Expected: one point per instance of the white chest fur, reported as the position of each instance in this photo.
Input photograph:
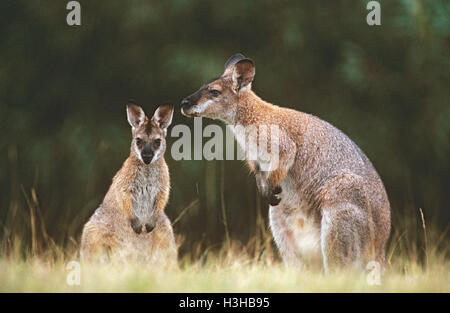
(144, 191)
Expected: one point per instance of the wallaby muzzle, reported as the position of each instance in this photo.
(147, 154)
(188, 103)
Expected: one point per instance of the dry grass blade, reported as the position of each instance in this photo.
(191, 205)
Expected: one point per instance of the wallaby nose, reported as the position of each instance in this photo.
(185, 101)
(147, 157)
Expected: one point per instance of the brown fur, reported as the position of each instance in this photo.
(323, 178)
(137, 197)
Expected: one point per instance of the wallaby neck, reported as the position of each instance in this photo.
(133, 168)
(251, 110)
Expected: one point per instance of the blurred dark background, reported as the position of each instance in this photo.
(63, 89)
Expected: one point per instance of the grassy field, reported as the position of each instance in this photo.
(417, 260)
(35, 275)
(226, 270)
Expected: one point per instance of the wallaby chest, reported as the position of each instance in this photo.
(144, 190)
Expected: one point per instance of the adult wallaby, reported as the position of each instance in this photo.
(326, 199)
(131, 223)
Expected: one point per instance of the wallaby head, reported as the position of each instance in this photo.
(219, 97)
(149, 135)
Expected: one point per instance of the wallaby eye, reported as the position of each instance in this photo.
(138, 141)
(214, 92)
(157, 142)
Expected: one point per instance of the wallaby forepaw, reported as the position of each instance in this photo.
(274, 200)
(275, 197)
(136, 225)
(149, 227)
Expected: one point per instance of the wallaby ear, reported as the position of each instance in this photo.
(233, 60)
(135, 114)
(243, 74)
(163, 115)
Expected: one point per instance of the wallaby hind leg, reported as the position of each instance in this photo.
(96, 244)
(344, 237)
(284, 237)
(163, 249)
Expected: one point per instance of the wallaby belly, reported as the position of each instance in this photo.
(295, 230)
(155, 246)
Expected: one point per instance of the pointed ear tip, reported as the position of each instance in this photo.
(131, 102)
(131, 106)
(164, 111)
(167, 105)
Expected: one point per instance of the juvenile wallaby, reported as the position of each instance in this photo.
(327, 202)
(131, 223)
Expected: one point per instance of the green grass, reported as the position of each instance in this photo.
(227, 270)
(417, 260)
(35, 275)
